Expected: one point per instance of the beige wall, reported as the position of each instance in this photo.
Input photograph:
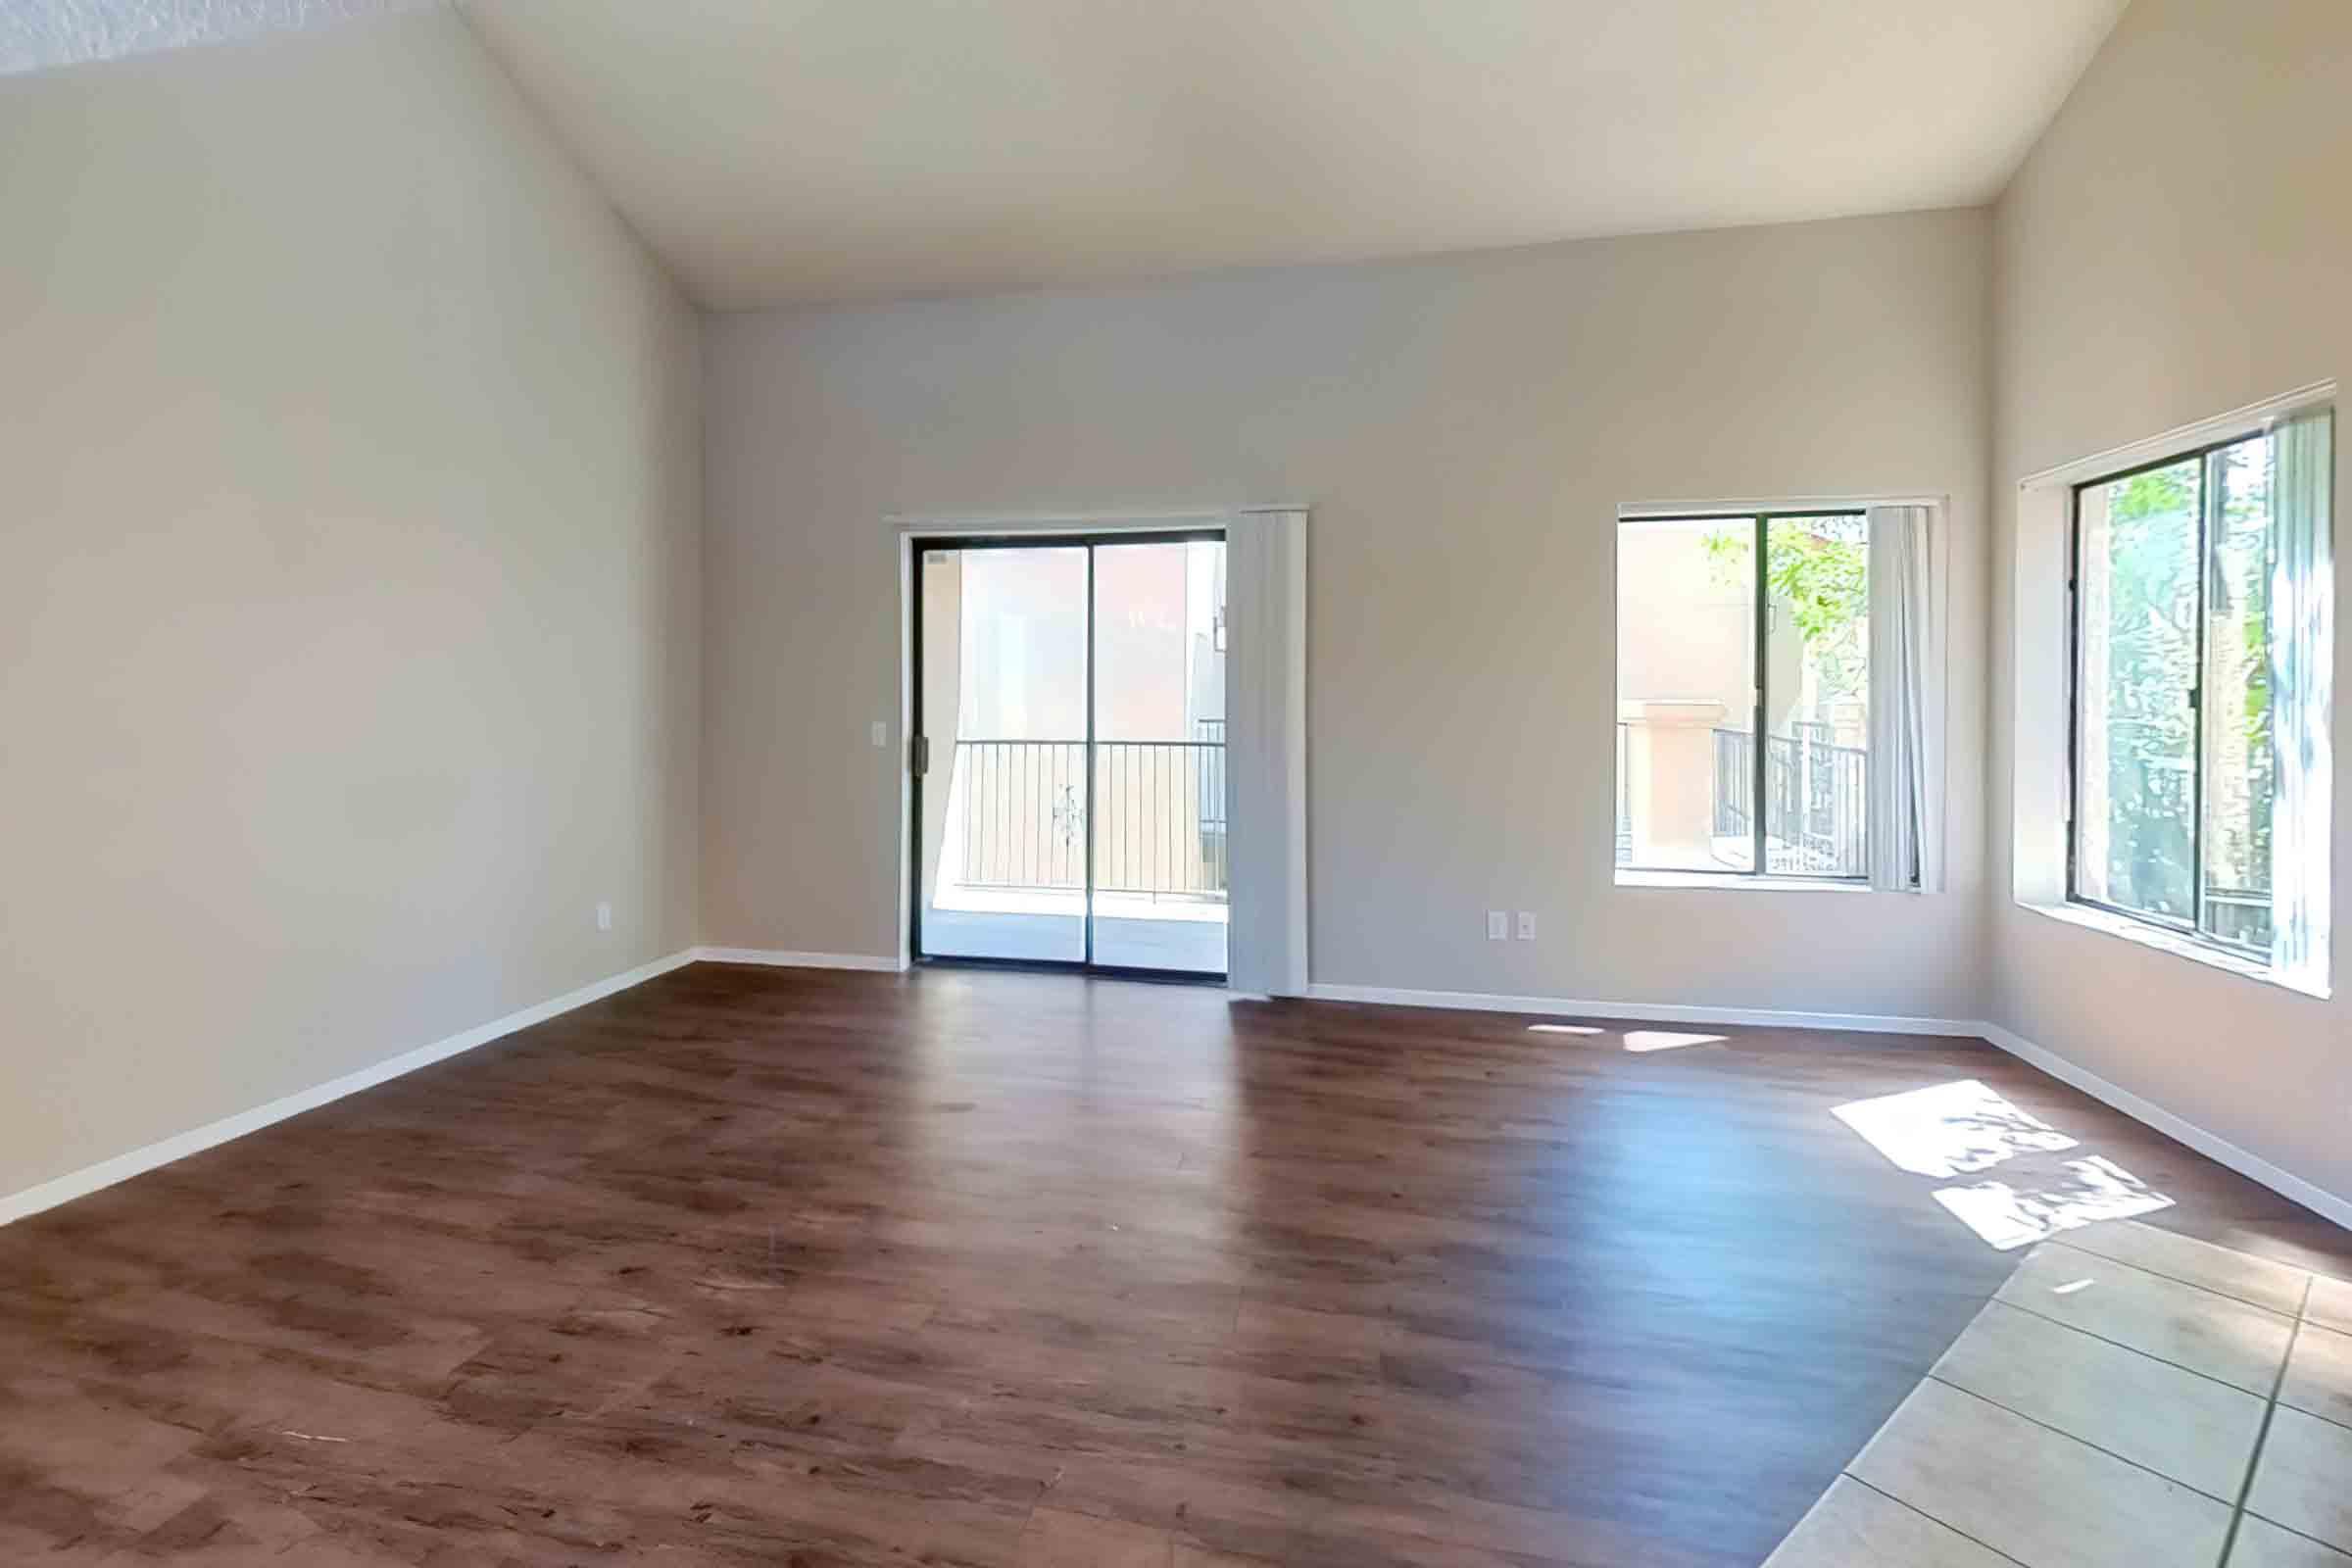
(2179, 245)
(348, 578)
(1465, 430)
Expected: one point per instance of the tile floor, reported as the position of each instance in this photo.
(2130, 1398)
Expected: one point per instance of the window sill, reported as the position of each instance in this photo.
(2178, 944)
(1733, 881)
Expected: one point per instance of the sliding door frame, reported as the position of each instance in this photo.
(913, 764)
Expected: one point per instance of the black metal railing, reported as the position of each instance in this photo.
(1159, 811)
(1734, 792)
(1022, 806)
(2239, 917)
(1816, 800)
(1212, 732)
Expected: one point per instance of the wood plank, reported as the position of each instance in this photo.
(999, 1268)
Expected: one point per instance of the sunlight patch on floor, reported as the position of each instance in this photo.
(2094, 1188)
(1962, 1128)
(1666, 1040)
(1950, 1130)
(1636, 1039)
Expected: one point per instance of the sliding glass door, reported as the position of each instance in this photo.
(1069, 799)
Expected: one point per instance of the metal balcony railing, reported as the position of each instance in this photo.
(1159, 814)
(1816, 800)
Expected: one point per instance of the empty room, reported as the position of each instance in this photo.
(1174, 784)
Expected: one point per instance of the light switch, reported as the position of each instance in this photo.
(1498, 925)
(1527, 925)
(881, 734)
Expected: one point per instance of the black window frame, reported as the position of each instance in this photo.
(1758, 868)
(918, 758)
(2210, 496)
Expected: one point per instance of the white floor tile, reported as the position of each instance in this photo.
(2215, 1335)
(2304, 1479)
(2196, 1430)
(1855, 1527)
(2032, 1494)
(2263, 1544)
(2258, 1279)
(2319, 1376)
(2330, 1305)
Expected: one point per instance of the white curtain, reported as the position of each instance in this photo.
(1906, 778)
(1266, 751)
(2302, 634)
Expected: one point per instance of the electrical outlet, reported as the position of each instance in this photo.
(1527, 925)
(1498, 925)
(603, 917)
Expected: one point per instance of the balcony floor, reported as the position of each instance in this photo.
(1133, 931)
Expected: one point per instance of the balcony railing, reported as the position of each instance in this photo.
(2239, 917)
(1159, 815)
(1816, 798)
(1625, 799)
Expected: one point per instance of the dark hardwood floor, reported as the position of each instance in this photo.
(774, 1267)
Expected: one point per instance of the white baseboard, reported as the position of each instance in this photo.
(106, 1172)
(2218, 1150)
(778, 959)
(1644, 1012)
(2214, 1148)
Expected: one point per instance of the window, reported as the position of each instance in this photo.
(1731, 628)
(2179, 729)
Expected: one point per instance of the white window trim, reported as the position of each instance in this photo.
(2042, 676)
(1941, 578)
(1739, 881)
(2177, 944)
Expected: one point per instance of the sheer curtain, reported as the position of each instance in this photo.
(2302, 636)
(1906, 790)
(1265, 739)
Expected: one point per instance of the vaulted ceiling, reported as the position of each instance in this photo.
(787, 152)
(792, 151)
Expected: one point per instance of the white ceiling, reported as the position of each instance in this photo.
(799, 151)
(805, 151)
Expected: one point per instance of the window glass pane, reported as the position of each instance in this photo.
(2236, 699)
(1159, 860)
(1817, 696)
(1003, 708)
(1686, 694)
(2135, 738)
